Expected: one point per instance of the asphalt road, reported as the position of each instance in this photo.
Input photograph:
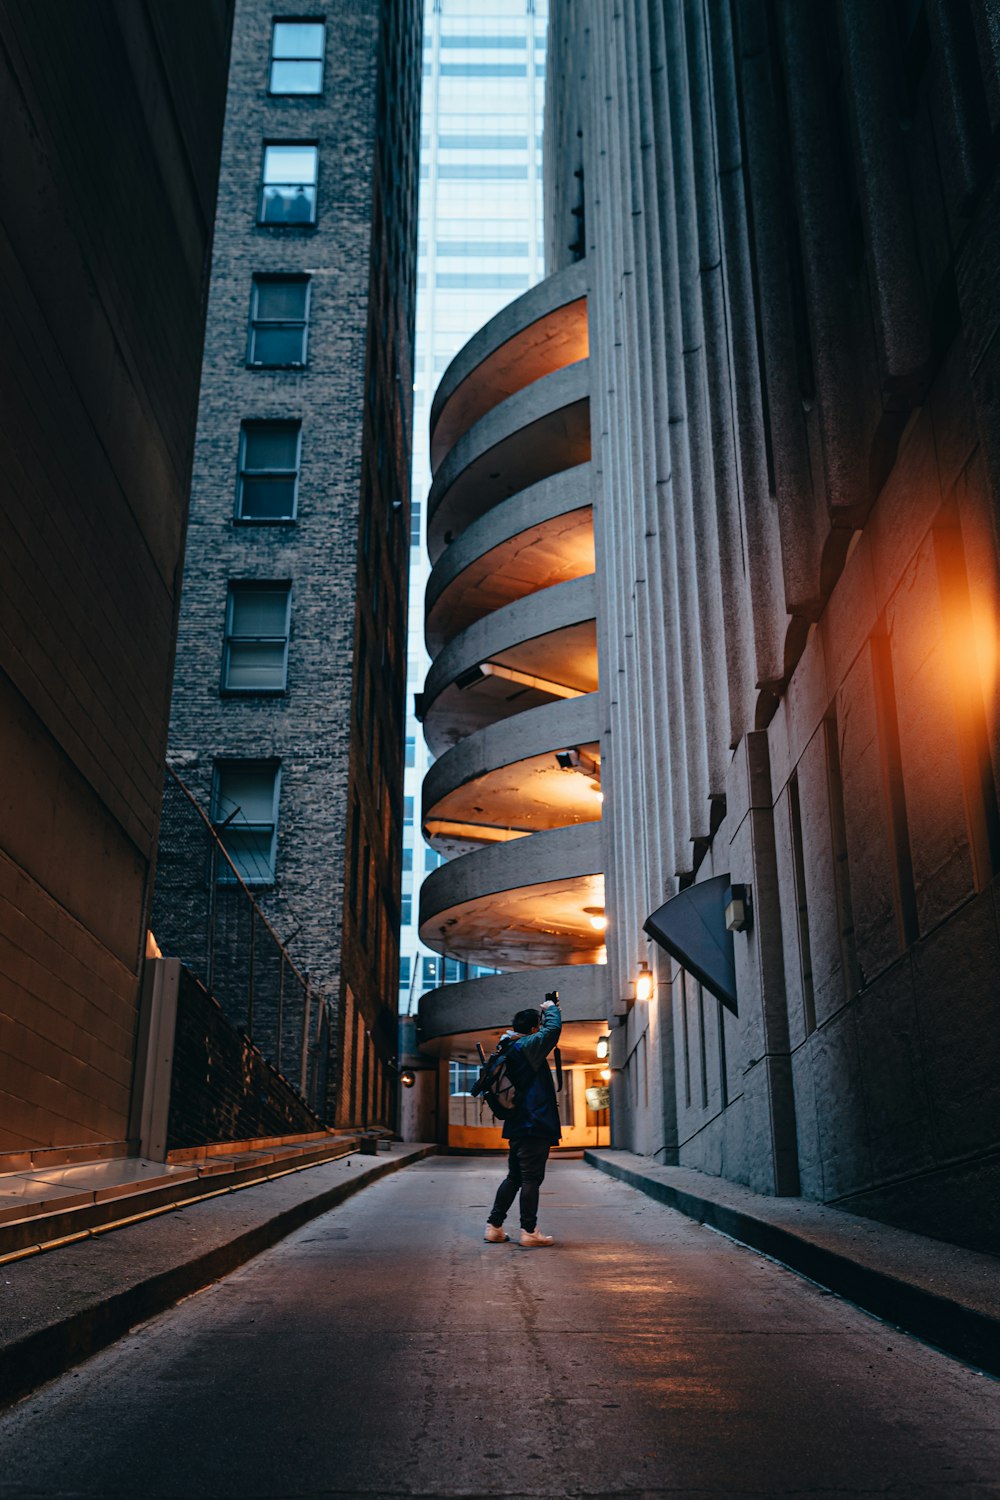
(386, 1350)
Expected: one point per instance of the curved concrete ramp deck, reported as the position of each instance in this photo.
(507, 774)
(537, 333)
(535, 433)
(519, 905)
(455, 1016)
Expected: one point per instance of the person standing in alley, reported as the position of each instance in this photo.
(533, 1128)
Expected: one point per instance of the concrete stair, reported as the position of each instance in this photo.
(57, 1198)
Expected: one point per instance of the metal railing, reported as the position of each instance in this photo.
(205, 915)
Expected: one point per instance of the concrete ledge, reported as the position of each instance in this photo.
(540, 331)
(59, 1308)
(487, 1004)
(943, 1294)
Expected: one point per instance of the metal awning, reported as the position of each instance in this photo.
(691, 926)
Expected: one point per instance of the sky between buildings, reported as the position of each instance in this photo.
(480, 247)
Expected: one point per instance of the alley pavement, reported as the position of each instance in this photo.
(384, 1349)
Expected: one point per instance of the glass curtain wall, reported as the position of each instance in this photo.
(480, 246)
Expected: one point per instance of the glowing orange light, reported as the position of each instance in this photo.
(644, 983)
(984, 645)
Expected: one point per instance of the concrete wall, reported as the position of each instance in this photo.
(337, 730)
(793, 322)
(111, 120)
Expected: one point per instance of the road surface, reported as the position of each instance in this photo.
(386, 1350)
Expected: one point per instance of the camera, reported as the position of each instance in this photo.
(553, 996)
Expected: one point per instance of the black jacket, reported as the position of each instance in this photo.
(536, 1110)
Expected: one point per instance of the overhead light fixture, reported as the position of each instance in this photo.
(469, 678)
(526, 679)
(644, 982)
(481, 833)
(598, 920)
(602, 1048)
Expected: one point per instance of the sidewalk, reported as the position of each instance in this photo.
(60, 1307)
(943, 1294)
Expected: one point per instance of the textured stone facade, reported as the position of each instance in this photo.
(344, 554)
(790, 218)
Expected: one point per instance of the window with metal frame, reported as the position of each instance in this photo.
(297, 48)
(279, 322)
(461, 1077)
(429, 975)
(245, 815)
(255, 654)
(288, 178)
(269, 471)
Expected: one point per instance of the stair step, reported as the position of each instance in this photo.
(38, 1214)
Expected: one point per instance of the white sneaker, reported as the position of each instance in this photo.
(535, 1237)
(494, 1235)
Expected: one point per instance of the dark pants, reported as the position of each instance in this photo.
(525, 1170)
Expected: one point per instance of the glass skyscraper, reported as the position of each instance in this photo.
(480, 246)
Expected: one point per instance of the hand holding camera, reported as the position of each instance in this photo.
(552, 998)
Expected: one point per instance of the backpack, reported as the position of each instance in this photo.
(495, 1083)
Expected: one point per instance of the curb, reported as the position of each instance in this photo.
(965, 1332)
(50, 1351)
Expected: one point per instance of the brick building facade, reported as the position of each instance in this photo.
(288, 696)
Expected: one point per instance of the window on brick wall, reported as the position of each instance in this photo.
(279, 320)
(405, 965)
(255, 655)
(267, 489)
(288, 178)
(297, 57)
(245, 814)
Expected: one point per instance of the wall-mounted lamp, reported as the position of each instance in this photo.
(606, 1075)
(407, 1078)
(602, 1048)
(644, 982)
(739, 909)
(598, 920)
